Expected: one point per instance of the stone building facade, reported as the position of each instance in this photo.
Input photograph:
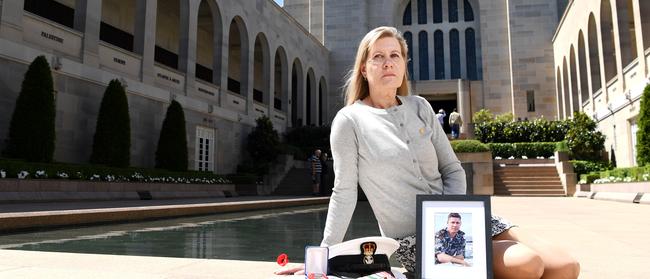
(227, 62)
(602, 54)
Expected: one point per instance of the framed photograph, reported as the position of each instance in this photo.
(454, 237)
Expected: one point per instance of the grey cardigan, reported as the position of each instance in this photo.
(393, 154)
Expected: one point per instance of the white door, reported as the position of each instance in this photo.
(205, 147)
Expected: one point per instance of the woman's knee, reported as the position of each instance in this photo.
(515, 260)
(567, 269)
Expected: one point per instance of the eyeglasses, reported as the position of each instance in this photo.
(380, 59)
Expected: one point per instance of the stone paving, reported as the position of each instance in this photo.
(609, 239)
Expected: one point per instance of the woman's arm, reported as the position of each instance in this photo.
(345, 152)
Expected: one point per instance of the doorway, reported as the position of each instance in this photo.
(448, 106)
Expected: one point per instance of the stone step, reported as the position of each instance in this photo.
(555, 186)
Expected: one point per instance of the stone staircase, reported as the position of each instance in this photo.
(518, 180)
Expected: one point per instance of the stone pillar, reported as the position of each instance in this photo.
(247, 81)
(638, 25)
(189, 13)
(464, 107)
(145, 37)
(11, 19)
(270, 84)
(225, 49)
(415, 53)
(446, 46)
(87, 18)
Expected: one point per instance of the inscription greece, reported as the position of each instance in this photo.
(119, 61)
(51, 37)
(166, 77)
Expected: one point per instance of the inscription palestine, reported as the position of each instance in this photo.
(51, 37)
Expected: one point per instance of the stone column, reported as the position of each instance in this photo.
(11, 19)
(415, 53)
(462, 51)
(464, 107)
(446, 46)
(638, 25)
(225, 49)
(87, 18)
(270, 83)
(247, 81)
(189, 13)
(145, 37)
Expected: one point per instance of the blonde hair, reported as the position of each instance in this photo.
(356, 87)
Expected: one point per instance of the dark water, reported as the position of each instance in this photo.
(257, 235)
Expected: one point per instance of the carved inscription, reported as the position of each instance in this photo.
(51, 37)
(166, 77)
(119, 61)
(206, 91)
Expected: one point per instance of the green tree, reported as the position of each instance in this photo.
(584, 142)
(643, 132)
(482, 116)
(31, 130)
(112, 141)
(263, 146)
(171, 153)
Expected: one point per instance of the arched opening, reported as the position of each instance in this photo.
(594, 56)
(574, 82)
(626, 30)
(582, 62)
(454, 52)
(261, 69)
(296, 99)
(468, 11)
(237, 57)
(205, 43)
(61, 12)
(565, 86)
(558, 94)
(453, 10)
(607, 35)
(408, 37)
(644, 9)
(118, 23)
(439, 52)
(470, 53)
(423, 53)
(437, 11)
(422, 11)
(167, 33)
(280, 82)
(407, 18)
(311, 98)
(321, 101)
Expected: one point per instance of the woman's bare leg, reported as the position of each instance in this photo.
(557, 263)
(513, 260)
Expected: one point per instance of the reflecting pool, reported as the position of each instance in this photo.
(254, 235)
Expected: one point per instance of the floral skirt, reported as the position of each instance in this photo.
(405, 254)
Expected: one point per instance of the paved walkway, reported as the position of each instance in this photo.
(610, 239)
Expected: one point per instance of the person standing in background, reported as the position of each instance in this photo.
(316, 170)
(455, 121)
(441, 117)
(324, 186)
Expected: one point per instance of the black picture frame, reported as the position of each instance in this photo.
(433, 212)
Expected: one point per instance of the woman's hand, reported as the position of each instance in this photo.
(291, 270)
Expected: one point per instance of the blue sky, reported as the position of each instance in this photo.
(280, 2)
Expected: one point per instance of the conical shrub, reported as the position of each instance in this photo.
(112, 140)
(643, 132)
(171, 153)
(31, 130)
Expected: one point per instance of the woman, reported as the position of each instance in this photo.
(391, 144)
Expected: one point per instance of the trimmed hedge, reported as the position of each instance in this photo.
(469, 146)
(31, 130)
(102, 173)
(112, 140)
(632, 174)
(171, 153)
(539, 130)
(519, 149)
(585, 167)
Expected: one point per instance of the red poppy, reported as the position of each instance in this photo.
(283, 259)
